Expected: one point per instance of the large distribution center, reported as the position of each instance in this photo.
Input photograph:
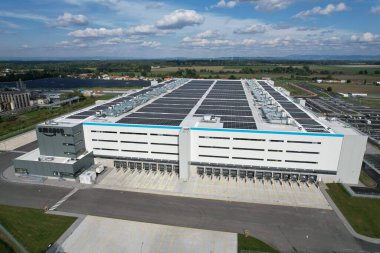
(235, 128)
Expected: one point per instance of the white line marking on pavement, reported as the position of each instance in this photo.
(63, 199)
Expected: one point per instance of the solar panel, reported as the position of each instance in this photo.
(157, 115)
(78, 116)
(239, 125)
(149, 121)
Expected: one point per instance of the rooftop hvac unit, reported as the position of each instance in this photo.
(209, 118)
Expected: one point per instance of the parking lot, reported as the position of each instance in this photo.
(96, 234)
(251, 190)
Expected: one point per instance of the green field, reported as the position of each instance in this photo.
(27, 121)
(34, 229)
(362, 213)
(253, 244)
(353, 88)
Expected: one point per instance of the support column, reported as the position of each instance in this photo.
(184, 142)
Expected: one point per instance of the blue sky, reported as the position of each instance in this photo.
(208, 28)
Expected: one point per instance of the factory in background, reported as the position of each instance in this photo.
(246, 128)
(14, 99)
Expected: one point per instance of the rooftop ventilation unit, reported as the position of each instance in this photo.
(209, 118)
(128, 104)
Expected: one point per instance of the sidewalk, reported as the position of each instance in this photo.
(323, 188)
(18, 141)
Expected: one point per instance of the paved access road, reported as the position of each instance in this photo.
(289, 229)
(27, 195)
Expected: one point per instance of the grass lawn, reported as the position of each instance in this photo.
(253, 244)
(34, 229)
(362, 213)
(28, 120)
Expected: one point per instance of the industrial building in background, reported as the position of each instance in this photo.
(14, 99)
(230, 128)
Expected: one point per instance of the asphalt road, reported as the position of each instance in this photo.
(26, 195)
(287, 228)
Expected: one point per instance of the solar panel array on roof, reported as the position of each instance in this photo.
(172, 108)
(228, 101)
(300, 116)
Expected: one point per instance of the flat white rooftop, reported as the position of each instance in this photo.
(232, 102)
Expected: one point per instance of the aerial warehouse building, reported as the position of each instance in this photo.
(229, 128)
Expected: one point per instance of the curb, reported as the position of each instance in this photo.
(323, 188)
(57, 246)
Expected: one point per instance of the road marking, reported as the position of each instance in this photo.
(63, 199)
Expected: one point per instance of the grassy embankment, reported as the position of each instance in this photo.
(250, 243)
(361, 213)
(34, 229)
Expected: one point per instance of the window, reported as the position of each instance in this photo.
(104, 132)
(304, 142)
(248, 139)
(293, 161)
(273, 160)
(274, 150)
(164, 153)
(248, 158)
(302, 152)
(213, 156)
(104, 140)
(107, 149)
(214, 147)
(132, 133)
(276, 140)
(251, 149)
(214, 137)
(134, 151)
(164, 144)
(171, 135)
(134, 142)
(67, 144)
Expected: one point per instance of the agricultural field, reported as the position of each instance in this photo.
(353, 88)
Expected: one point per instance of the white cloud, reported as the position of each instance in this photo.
(273, 5)
(153, 44)
(97, 32)
(178, 19)
(224, 4)
(154, 6)
(252, 29)
(365, 37)
(9, 24)
(28, 16)
(261, 5)
(208, 34)
(329, 9)
(375, 9)
(142, 30)
(68, 19)
(248, 42)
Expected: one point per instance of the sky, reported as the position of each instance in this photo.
(196, 29)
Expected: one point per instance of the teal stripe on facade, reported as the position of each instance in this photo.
(217, 129)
